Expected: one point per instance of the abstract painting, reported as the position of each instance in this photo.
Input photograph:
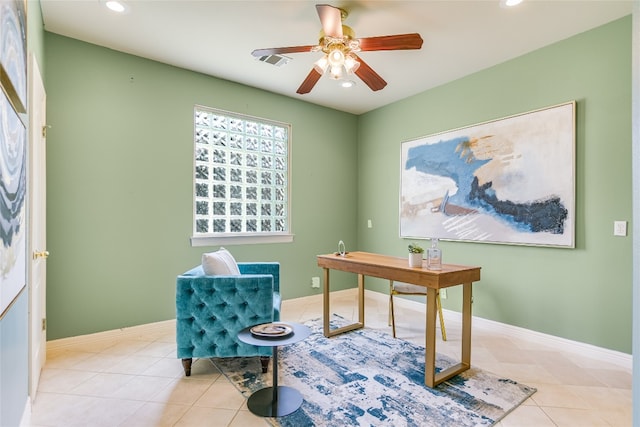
(509, 181)
(13, 151)
(13, 52)
(13, 192)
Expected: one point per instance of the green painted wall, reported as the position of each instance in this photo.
(583, 294)
(35, 33)
(119, 183)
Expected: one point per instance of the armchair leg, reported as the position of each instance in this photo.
(186, 364)
(264, 361)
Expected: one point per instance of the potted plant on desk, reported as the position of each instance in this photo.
(415, 255)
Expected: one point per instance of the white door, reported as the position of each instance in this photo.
(37, 277)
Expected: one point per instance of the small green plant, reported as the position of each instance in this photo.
(414, 248)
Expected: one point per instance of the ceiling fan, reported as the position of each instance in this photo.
(339, 45)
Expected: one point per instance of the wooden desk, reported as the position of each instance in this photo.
(397, 269)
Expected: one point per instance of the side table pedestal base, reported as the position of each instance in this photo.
(262, 401)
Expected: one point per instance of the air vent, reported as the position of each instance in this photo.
(277, 60)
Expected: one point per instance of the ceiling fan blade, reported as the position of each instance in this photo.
(276, 50)
(309, 82)
(331, 19)
(370, 77)
(395, 42)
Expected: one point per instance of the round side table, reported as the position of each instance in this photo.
(275, 401)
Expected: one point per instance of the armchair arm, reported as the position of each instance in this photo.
(220, 292)
(211, 310)
(272, 268)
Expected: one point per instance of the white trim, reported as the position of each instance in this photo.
(240, 240)
(588, 350)
(561, 344)
(125, 333)
(25, 421)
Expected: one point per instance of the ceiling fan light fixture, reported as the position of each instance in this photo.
(336, 72)
(321, 65)
(337, 63)
(336, 57)
(350, 64)
(339, 46)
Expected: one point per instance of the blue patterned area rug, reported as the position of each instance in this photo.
(368, 378)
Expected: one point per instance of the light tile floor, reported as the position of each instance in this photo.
(131, 377)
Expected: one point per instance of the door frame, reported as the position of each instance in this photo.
(36, 265)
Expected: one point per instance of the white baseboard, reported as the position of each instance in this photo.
(25, 421)
(129, 332)
(617, 358)
(588, 350)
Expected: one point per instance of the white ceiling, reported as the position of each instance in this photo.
(217, 37)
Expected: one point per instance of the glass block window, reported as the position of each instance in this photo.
(241, 175)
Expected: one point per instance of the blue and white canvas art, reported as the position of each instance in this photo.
(13, 194)
(509, 181)
(13, 151)
(13, 51)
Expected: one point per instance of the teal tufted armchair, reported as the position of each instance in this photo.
(211, 310)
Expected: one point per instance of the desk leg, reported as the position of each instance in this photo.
(430, 340)
(431, 379)
(326, 313)
(466, 324)
(361, 299)
(326, 301)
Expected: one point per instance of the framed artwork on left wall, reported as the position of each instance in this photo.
(13, 151)
(13, 195)
(13, 52)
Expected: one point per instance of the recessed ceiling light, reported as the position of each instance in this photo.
(116, 6)
(347, 83)
(510, 3)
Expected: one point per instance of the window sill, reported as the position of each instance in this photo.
(246, 239)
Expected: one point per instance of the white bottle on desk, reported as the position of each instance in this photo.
(434, 256)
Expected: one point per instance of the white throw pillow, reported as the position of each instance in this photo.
(219, 263)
